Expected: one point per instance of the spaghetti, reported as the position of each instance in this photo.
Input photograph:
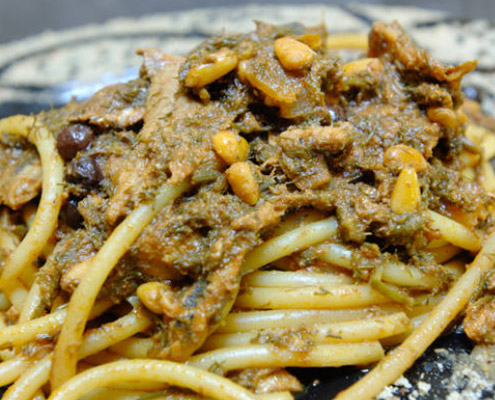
(258, 205)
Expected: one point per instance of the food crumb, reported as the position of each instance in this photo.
(465, 377)
(442, 351)
(423, 387)
(394, 391)
(440, 367)
(454, 396)
(468, 381)
(387, 394)
(403, 381)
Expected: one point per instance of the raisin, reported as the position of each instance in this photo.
(72, 139)
(84, 170)
(71, 214)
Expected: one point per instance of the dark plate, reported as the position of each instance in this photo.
(46, 71)
(443, 369)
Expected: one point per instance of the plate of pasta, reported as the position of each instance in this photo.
(243, 209)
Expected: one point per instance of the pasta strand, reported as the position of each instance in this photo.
(349, 331)
(46, 217)
(401, 358)
(258, 320)
(311, 297)
(293, 279)
(454, 232)
(133, 347)
(393, 272)
(65, 358)
(264, 356)
(294, 240)
(94, 341)
(358, 41)
(11, 370)
(31, 381)
(176, 374)
(31, 304)
(22, 333)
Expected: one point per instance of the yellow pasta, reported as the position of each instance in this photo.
(182, 375)
(293, 279)
(257, 320)
(454, 232)
(11, 370)
(254, 206)
(271, 356)
(347, 41)
(350, 331)
(393, 272)
(51, 199)
(287, 243)
(396, 362)
(95, 341)
(23, 333)
(310, 297)
(83, 298)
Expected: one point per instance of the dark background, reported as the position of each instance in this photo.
(21, 18)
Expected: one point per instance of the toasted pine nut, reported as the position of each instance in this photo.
(158, 298)
(400, 156)
(293, 54)
(313, 40)
(216, 66)
(70, 280)
(372, 65)
(149, 294)
(230, 147)
(406, 196)
(243, 183)
(443, 116)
